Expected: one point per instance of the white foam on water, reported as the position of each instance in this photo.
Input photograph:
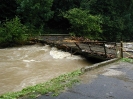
(30, 61)
(58, 54)
(26, 60)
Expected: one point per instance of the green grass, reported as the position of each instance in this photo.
(127, 60)
(54, 87)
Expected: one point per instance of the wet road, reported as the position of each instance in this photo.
(114, 81)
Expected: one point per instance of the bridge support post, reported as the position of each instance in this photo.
(121, 50)
(105, 50)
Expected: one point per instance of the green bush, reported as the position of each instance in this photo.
(83, 23)
(12, 32)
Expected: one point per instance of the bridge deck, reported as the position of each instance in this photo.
(96, 49)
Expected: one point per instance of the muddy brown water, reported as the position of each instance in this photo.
(29, 65)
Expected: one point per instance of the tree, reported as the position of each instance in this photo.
(60, 7)
(7, 9)
(12, 32)
(83, 23)
(116, 16)
(35, 12)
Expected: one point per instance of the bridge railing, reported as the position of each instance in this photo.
(126, 49)
(99, 48)
(104, 49)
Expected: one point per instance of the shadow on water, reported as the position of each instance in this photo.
(94, 60)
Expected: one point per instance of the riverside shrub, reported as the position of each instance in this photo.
(12, 32)
(83, 23)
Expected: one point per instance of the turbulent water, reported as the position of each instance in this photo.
(29, 65)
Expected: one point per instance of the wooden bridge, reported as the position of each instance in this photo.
(78, 45)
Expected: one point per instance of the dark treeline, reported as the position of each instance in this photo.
(110, 20)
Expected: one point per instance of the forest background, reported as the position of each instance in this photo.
(110, 20)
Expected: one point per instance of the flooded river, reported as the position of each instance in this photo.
(29, 65)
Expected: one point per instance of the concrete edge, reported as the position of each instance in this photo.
(97, 65)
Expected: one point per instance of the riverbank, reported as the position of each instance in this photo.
(53, 86)
(113, 81)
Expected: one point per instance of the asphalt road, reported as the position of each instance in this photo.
(113, 81)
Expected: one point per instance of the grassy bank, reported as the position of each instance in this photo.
(127, 60)
(52, 87)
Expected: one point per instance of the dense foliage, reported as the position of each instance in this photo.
(117, 18)
(12, 32)
(35, 13)
(7, 9)
(83, 23)
(105, 19)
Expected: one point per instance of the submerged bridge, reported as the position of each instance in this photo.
(78, 45)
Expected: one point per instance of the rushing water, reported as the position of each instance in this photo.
(25, 66)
